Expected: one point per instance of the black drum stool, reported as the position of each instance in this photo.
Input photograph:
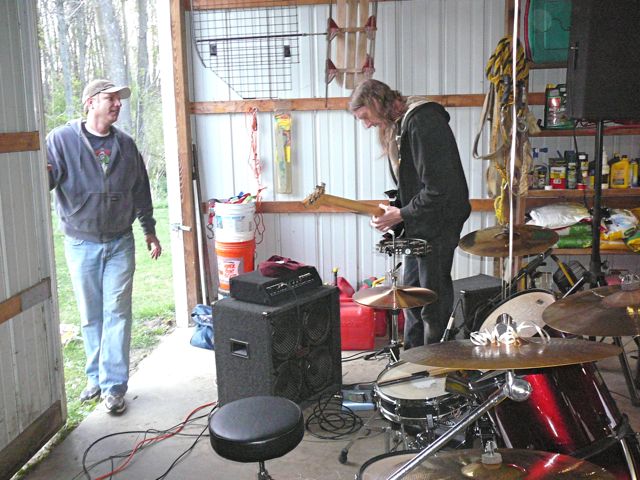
(256, 429)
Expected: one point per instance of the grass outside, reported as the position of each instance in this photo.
(153, 310)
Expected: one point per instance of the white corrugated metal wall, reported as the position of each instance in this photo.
(30, 363)
(423, 47)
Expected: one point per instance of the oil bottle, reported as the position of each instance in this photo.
(619, 176)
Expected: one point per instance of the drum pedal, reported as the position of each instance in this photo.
(358, 397)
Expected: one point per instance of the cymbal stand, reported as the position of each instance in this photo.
(393, 348)
(632, 385)
(515, 388)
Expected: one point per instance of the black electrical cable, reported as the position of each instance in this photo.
(183, 454)
(155, 432)
(331, 420)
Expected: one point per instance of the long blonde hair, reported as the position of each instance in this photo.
(384, 102)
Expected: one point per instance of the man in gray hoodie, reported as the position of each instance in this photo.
(101, 187)
(433, 197)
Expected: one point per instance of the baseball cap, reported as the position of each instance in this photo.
(95, 87)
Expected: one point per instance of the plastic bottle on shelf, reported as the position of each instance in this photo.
(583, 161)
(539, 173)
(619, 175)
(573, 169)
(633, 172)
(605, 169)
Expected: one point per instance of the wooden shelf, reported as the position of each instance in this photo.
(611, 197)
(587, 132)
(587, 251)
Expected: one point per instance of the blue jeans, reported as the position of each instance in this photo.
(102, 278)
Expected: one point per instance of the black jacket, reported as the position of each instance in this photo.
(432, 187)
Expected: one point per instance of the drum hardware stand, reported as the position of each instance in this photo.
(624, 362)
(392, 350)
(597, 278)
(515, 388)
(451, 323)
(386, 430)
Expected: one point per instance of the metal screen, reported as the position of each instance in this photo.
(251, 49)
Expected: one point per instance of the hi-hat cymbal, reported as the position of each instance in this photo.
(494, 241)
(599, 312)
(530, 353)
(395, 298)
(466, 464)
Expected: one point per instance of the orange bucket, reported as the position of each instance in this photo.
(234, 258)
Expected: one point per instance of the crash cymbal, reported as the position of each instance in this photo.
(394, 298)
(530, 353)
(599, 312)
(494, 241)
(466, 464)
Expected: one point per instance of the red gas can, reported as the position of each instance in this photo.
(356, 326)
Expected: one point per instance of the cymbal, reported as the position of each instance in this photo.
(466, 464)
(494, 241)
(604, 311)
(394, 298)
(531, 353)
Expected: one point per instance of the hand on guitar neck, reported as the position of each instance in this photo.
(385, 218)
(388, 220)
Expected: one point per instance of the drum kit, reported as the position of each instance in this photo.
(534, 403)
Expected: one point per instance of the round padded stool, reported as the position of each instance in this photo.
(256, 429)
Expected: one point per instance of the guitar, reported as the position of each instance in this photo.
(319, 197)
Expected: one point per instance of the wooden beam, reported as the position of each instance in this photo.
(509, 12)
(22, 301)
(185, 154)
(229, 4)
(294, 206)
(19, 142)
(318, 104)
(32, 439)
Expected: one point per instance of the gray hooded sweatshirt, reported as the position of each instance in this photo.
(94, 204)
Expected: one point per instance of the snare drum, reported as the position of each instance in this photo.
(407, 397)
(526, 306)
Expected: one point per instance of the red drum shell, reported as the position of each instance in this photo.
(570, 408)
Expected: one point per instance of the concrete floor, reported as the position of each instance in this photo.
(176, 379)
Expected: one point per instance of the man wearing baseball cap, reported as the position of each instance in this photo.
(101, 187)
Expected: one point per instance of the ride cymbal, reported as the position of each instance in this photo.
(600, 312)
(494, 241)
(530, 353)
(465, 464)
(395, 298)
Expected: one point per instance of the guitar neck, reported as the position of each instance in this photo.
(353, 205)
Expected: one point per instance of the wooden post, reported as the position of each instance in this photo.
(188, 228)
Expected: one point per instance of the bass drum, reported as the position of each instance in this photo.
(570, 411)
(526, 306)
(467, 464)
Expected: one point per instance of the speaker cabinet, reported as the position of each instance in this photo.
(290, 350)
(473, 294)
(603, 70)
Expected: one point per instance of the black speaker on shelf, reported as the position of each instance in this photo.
(603, 69)
(291, 350)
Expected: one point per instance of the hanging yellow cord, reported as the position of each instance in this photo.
(499, 68)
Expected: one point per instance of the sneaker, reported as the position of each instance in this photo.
(89, 393)
(114, 403)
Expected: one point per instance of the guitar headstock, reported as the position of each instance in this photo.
(314, 199)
